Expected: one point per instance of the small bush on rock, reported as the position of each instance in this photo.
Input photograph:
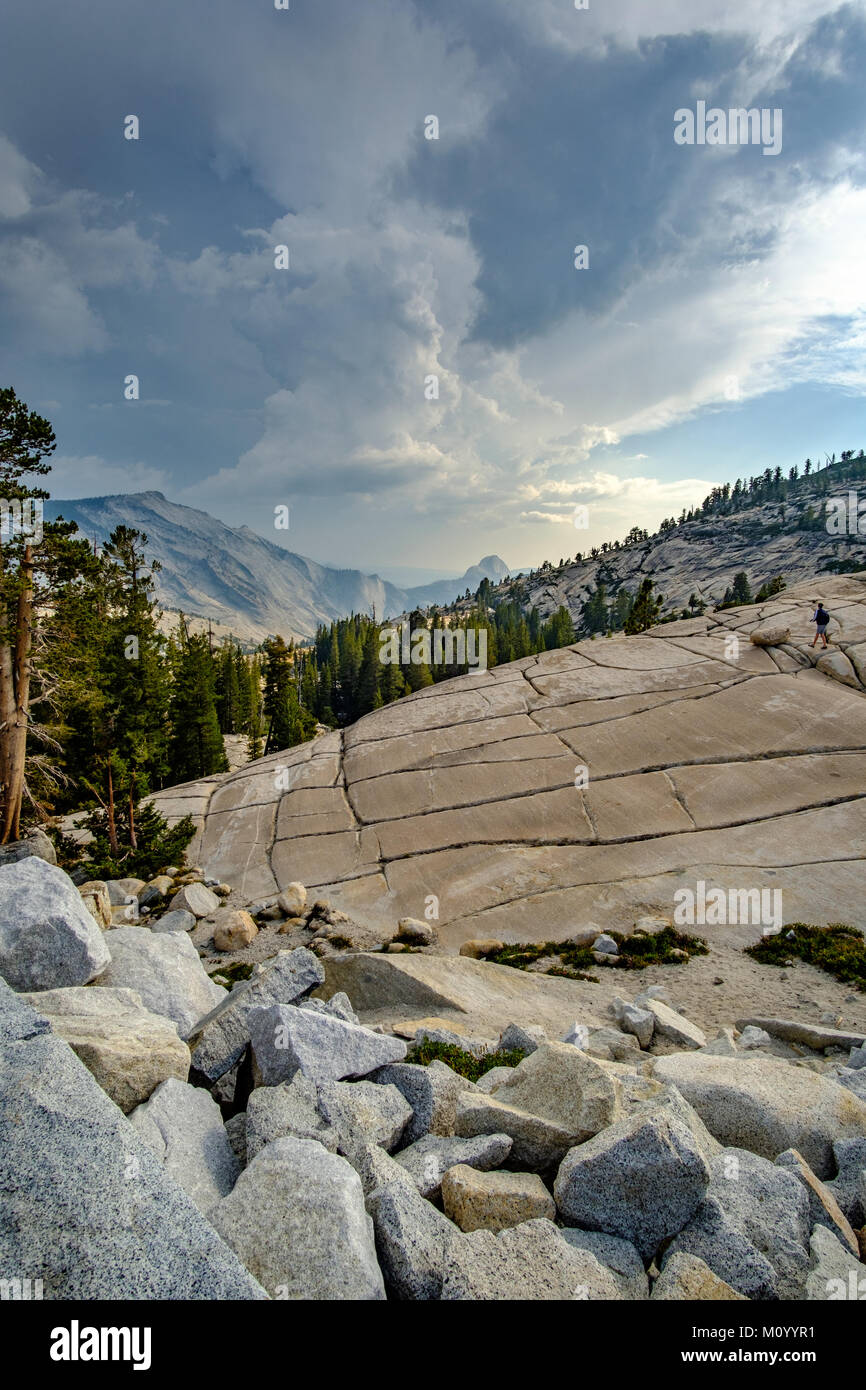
(473, 1068)
(838, 949)
(228, 975)
(667, 947)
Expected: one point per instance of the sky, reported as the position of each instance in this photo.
(718, 328)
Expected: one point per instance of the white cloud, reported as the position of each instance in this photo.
(92, 476)
(629, 21)
(69, 250)
(19, 180)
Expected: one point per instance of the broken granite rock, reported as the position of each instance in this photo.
(853, 1081)
(129, 1050)
(296, 1219)
(36, 844)
(687, 1278)
(165, 970)
(722, 1045)
(605, 945)
(428, 1159)
(412, 1237)
(752, 1038)
(564, 1085)
(537, 1143)
(517, 1039)
(834, 1273)
(236, 1133)
(618, 1256)
(641, 1179)
(478, 1047)
(668, 1097)
(824, 1210)
(184, 1127)
(529, 1262)
(178, 920)
(806, 1034)
(87, 1207)
(671, 1025)
(338, 1006)
(752, 1229)
(290, 1110)
(221, 1036)
(286, 1040)
(195, 898)
(361, 1113)
(639, 1022)
(48, 939)
(493, 1201)
(491, 1079)
(577, 1036)
(432, 1093)
(849, 1157)
(767, 1105)
(611, 1045)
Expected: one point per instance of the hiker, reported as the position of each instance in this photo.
(821, 617)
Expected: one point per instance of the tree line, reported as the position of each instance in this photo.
(99, 707)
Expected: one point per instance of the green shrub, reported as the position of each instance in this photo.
(228, 975)
(464, 1063)
(635, 953)
(158, 844)
(838, 949)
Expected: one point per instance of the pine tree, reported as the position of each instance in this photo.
(369, 697)
(559, 630)
(255, 721)
(288, 724)
(595, 614)
(645, 610)
(131, 749)
(226, 691)
(620, 609)
(243, 681)
(196, 748)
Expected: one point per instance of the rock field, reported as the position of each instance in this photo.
(278, 1147)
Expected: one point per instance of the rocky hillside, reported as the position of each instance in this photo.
(163, 1137)
(243, 583)
(701, 558)
(588, 784)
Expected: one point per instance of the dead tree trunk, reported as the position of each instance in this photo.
(15, 702)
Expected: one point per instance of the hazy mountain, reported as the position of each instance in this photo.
(446, 590)
(244, 583)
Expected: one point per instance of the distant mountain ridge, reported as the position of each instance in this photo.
(244, 583)
(788, 534)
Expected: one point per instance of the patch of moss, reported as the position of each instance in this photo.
(568, 973)
(839, 950)
(464, 1063)
(667, 947)
(342, 943)
(228, 975)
